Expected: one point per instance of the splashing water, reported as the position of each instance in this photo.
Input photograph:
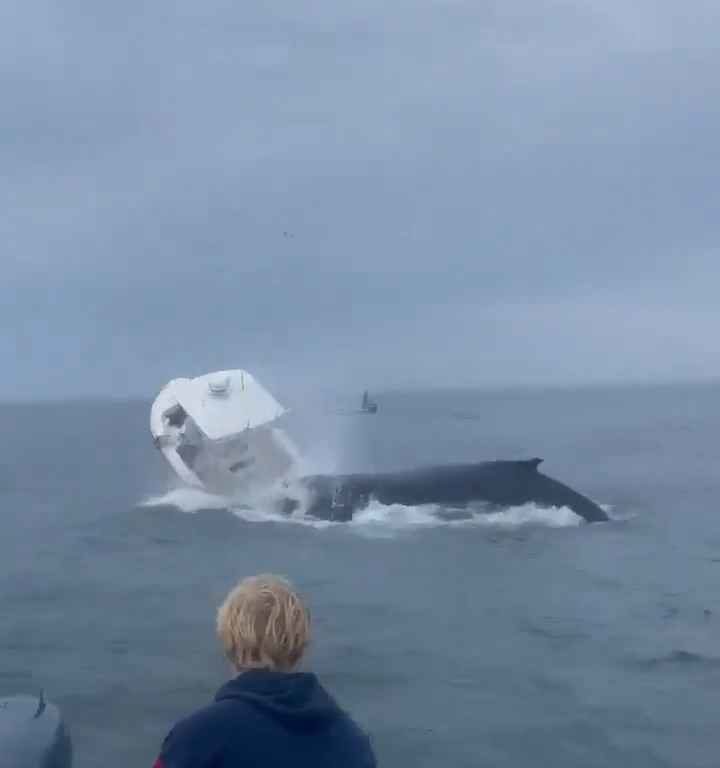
(188, 500)
(391, 517)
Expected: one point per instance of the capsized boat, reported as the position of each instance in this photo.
(220, 432)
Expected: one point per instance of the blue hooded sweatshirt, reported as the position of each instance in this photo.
(270, 720)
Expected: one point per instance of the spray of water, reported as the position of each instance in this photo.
(388, 517)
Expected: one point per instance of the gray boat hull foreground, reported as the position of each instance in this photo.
(33, 734)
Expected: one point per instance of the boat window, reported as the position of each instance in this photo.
(188, 453)
(238, 465)
(176, 416)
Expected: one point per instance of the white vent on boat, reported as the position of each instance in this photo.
(219, 387)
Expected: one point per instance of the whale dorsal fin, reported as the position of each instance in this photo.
(533, 463)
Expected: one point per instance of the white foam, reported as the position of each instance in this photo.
(260, 515)
(400, 516)
(194, 500)
(375, 518)
(531, 514)
(189, 500)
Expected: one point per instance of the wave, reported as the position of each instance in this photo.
(678, 657)
(376, 516)
(189, 500)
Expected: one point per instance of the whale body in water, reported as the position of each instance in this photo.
(494, 483)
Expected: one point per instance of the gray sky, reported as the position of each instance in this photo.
(509, 191)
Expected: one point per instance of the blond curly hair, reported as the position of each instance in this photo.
(264, 623)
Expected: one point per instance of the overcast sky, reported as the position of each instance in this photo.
(380, 192)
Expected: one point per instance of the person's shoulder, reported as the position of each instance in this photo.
(356, 740)
(215, 713)
(206, 728)
(358, 749)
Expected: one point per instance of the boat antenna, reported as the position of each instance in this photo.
(41, 705)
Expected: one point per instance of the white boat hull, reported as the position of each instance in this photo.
(220, 432)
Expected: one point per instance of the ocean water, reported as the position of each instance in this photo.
(525, 638)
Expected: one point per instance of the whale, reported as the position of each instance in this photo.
(494, 484)
(33, 734)
(222, 432)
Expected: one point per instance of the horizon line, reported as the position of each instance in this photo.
(536, 387)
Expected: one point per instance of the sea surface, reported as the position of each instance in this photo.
(521, 639)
